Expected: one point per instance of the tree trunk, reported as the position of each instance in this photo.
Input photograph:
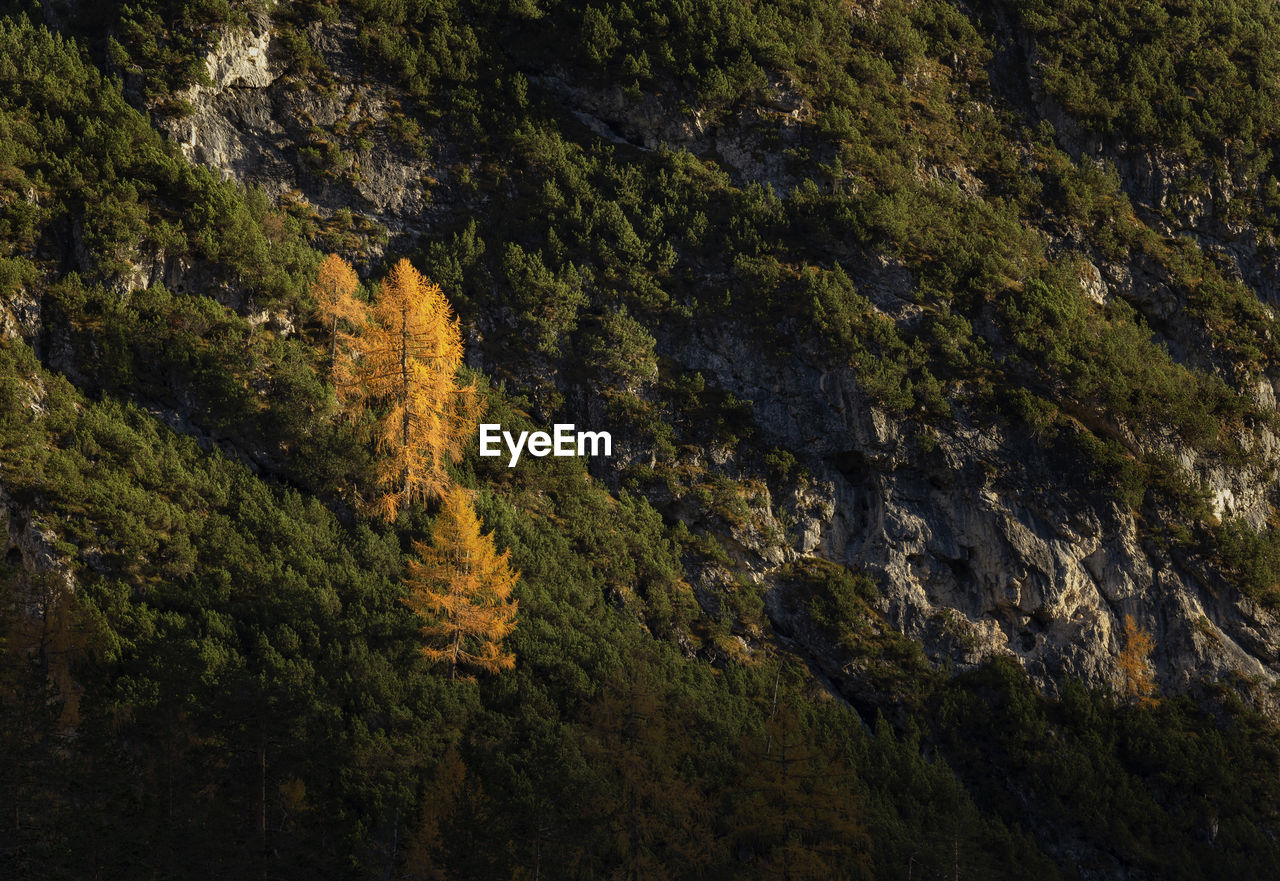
(457, 650)
(405, 396)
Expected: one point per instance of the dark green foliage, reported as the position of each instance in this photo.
(251, 700)
(1198, 76)
(1174, 789)
(1251, 557)
(1106, 363)
(220, 614)
(106, 174)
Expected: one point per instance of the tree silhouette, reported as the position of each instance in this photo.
(653, 822)
(461, 587)
(795, 812)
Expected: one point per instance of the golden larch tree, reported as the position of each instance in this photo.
(796, 814)
(460, 586)
(656, 824)
(404, 366)
(1135, 663)
(334, 292)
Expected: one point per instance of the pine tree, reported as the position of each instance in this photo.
(461, 587)
(334, 292)
(1135, 663)
(795, 812)
(406, 362)
(654, 822)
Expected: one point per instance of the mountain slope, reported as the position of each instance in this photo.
(890, 351)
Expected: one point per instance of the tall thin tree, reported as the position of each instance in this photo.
(403, 366)
(460, 587)
(334, 292)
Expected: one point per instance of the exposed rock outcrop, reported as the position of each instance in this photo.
(261, 125)
(979, 551)
(752, 144)
(32, 546)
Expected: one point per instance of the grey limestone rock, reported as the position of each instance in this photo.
(978, 548)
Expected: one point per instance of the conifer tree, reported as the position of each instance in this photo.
(405, 363)
(796, 815)
(424, 855)
(1135, 663)
(656, 824)
(461, 587)
(334, 292)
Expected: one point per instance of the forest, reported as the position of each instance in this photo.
(266, 610)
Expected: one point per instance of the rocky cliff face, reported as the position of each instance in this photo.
(981, 544)
(263, 125)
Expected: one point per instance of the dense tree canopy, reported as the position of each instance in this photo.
(237, 686)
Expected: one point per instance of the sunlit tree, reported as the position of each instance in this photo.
(1135, 663)
(403, 367)
(460, 586)
(334, 292)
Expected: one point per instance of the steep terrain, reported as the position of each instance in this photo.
(937, 347)
(981, 545)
